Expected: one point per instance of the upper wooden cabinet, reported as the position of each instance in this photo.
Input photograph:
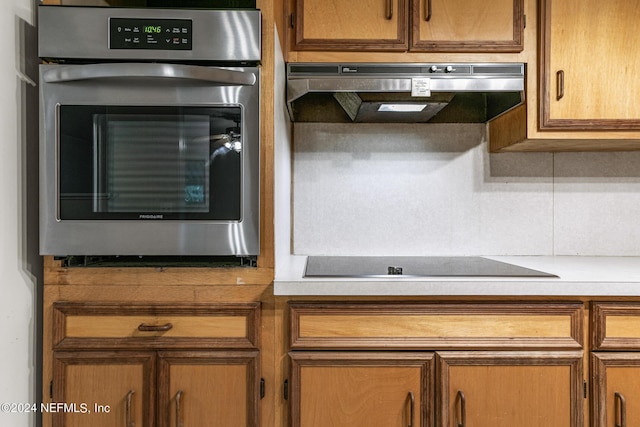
(467, 25)
(349, 25)
(583, 97)
(415, 25)
(588, 65)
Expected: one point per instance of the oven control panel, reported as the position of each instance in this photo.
(158, 34)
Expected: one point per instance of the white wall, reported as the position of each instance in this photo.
(433, 189)
(19, 264)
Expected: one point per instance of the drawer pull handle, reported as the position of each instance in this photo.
(412, 403)
(143, 327)
(560, 85)
(427, 11)
(389, 9)
(621, 410)
(461, 410)
(128, 400)
(179, 422)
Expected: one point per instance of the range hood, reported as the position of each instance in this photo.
(402, 93)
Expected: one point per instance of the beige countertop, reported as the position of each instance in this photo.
(577, 276)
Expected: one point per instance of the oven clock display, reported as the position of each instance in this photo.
(153, 29)
(156, 34)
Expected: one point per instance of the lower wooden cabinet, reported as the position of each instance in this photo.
(154, 365)
(616, 394)
(203, 389)
(103, 389)
(480, 389)
(361, 389)
(615, 364)
(506, 389)
(443, 364)
(163, 389)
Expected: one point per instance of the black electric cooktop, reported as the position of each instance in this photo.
(412, 266)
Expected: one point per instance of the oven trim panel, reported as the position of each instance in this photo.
(84, 33)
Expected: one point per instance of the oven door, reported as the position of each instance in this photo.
(149, 159)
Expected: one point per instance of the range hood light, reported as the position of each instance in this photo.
(402, 108)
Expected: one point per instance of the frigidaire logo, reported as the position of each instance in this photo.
(151, 216)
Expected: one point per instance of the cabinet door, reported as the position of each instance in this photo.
(361, 389)
(616, 391)
(208, 389)
(350, 25)
(103, 389)
(506, 389)
(468, 25)
(589, 64)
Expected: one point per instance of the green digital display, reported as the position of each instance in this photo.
(141, 33)
(153, 29)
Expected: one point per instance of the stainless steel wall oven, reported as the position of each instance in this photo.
(149, 131)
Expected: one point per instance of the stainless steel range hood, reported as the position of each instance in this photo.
(402, 93)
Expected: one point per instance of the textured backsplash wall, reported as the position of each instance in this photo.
(401, 189)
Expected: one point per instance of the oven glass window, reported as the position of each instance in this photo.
(150, 162)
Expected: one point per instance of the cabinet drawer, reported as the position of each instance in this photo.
(107, 325)
(436, 325)
(616, 326)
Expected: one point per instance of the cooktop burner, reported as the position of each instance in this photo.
(414, 266)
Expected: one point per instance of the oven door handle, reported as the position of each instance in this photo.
(223, 76)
